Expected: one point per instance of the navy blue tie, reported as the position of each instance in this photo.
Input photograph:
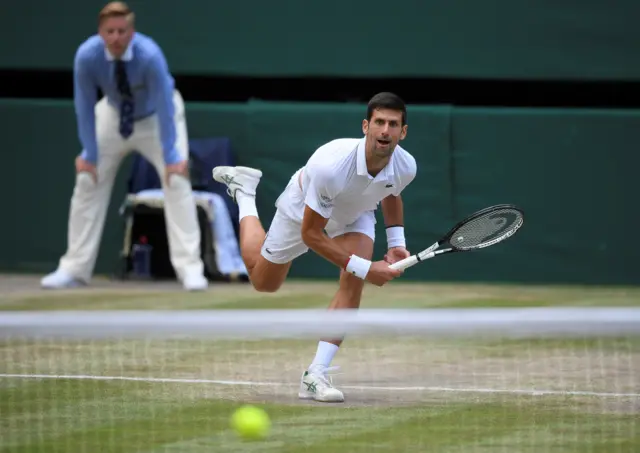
(126, 106)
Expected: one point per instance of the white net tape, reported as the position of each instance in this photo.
(513, 322)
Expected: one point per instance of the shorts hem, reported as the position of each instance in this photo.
(364, 231)
(277, 260)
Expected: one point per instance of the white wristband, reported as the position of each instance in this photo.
(358, 266)
(395, 237)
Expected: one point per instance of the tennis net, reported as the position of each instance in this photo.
(478, 380)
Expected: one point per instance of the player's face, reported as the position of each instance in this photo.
(116, 33)
(384, 131)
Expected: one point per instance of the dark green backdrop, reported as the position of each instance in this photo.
(573, 172)
(587, 39)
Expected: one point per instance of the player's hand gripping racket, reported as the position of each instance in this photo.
(481, 229)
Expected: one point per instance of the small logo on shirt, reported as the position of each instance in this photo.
(388, 185)
(325, 202)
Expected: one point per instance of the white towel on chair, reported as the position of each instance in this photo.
(228, 257)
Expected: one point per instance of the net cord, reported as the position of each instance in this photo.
(310, 323)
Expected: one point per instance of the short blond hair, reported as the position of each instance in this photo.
(116, 9)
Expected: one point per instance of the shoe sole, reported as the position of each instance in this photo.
(195, 289)
(67, 286)
(304, 396)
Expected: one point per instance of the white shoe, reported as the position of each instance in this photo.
(316, 385)
(244, 179)
(195, 282)
(60, 279)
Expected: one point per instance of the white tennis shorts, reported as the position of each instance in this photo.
(284, 242)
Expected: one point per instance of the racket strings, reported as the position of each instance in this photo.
(485, 228)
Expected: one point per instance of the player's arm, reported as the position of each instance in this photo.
(393, 214)
(85, 96)
(161, 86)
(323, 190)
(319, 205)
(314, 237)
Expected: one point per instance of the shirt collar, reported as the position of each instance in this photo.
(361, 164)
(361, 159)
(126, 56)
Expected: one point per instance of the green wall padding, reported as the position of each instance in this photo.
(560, 39)
(572, 171)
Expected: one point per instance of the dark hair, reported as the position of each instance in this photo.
(386, 100)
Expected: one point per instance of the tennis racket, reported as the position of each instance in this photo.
(481, 229)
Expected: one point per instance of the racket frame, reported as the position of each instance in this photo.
(432, 251)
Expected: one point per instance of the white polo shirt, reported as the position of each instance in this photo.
(337, 185)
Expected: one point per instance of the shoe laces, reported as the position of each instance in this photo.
(322, 373)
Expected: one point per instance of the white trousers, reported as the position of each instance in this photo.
(90, 200)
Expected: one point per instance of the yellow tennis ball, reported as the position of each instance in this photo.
(251, 422)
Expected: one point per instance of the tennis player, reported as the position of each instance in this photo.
(329, 207)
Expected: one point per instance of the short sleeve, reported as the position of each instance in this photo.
(408, 176)
(322, 192)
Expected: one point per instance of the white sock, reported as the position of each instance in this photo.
(324, 354)
(246, 205)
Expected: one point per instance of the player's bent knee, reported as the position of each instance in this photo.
(267, 277)
(266, 286)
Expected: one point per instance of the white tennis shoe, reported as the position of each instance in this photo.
(316, 385)
(59, 280)
(244, 179)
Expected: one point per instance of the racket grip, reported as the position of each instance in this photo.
(405, 263)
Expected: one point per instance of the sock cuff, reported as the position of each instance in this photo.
(246, 205)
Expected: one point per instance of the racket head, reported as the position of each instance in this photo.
(486, 227)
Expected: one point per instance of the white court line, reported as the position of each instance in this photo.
(351, 387)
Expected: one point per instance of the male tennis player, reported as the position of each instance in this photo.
(337, 192)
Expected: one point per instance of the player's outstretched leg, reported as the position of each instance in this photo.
(242, 183)
(316, 382)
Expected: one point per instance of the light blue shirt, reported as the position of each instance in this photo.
(151, 84)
